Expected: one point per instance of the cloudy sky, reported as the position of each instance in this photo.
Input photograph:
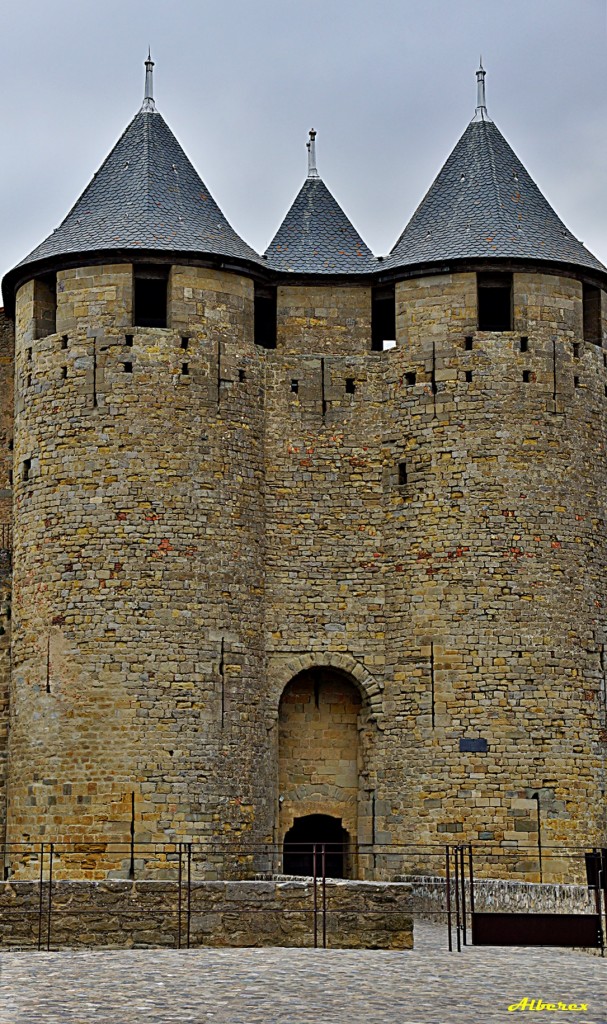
(388, 84)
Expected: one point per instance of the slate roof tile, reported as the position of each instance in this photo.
(316, 237)
(484, 204)
(146, 195)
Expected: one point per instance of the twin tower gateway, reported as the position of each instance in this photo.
(307, 547)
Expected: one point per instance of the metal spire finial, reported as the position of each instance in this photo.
(481, 102)
(148, 100)
(311, 147)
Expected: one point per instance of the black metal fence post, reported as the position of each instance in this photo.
(315, 897)
(448, 888)
(324, 898)
(457, 904)
(463, 883)
(179, 870)
(471, 874)
(40, 896)
(189, 897)
(50, 896)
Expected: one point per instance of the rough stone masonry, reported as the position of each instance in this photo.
(269, 573)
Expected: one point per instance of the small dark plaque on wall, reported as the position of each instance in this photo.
(473, 746)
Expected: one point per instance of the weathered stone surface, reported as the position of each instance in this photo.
(135, 914)
(198, 521)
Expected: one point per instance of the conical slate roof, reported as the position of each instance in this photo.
(316, 236)
(146, 196)
(484, 204)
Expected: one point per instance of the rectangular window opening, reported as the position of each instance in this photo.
(64, 373)
(494, 301)
(350, 386)
(468, 376)
(468, 343)
(264, 328)
(576, 382)
(526, 376)
(383, 316)
(185, 342)
(524, 344)
(591, 313)
(402, 474)
(128, 340)
(242, 376)
(64, 341)
(576, 350)
(185, 369)
(150, 286)
(411, 378)
(25, 471)
(128, 367)
(295, 387)
(45, 305)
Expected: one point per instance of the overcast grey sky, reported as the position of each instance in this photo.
(389, 86)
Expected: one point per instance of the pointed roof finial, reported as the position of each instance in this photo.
(148, 104)
(481, 102)
(311, 147)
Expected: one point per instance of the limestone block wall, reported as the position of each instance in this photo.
(121, 914)
(137, 650)
(327, 320)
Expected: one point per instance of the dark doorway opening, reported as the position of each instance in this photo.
(316, 830)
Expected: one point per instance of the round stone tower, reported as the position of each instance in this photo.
(138, 575)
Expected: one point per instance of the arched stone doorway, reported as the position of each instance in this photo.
(320, 833)
(319, 757)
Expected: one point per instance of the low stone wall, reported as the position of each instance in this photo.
(428, 897)
(360, 915)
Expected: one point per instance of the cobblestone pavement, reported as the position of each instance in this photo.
(300, 986)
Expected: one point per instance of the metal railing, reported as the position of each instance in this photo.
(48, 865)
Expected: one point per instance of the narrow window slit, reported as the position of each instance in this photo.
(242, 376)
(524, 344)
(468, 342)
(526, 376)
(402, 474)
(576, 382)
(185, 369)
(64, 341)
(128, 340)
(468, 376)
(295, 386)
(27, 465)
(64, 373)
(350, 385)
(185, 342)
(576, 350)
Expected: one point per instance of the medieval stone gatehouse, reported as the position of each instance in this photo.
(308, 546)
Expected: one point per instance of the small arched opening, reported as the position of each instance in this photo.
(320, 718)
(321, 835)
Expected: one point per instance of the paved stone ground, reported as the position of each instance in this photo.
(300, 986)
